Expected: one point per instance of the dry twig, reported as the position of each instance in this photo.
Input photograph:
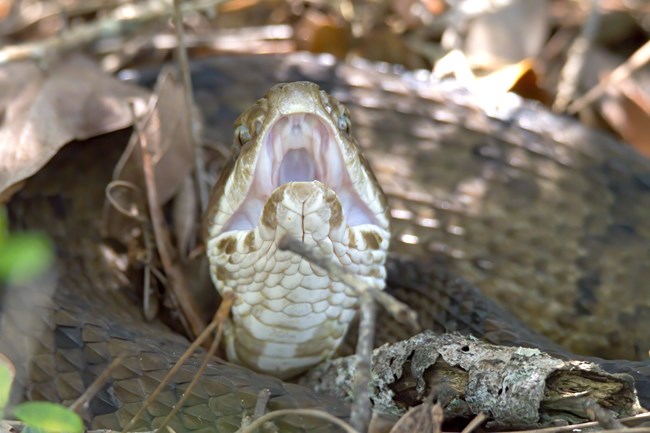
(97, 384)
(576, 59)
(361, 410)
(188, 97)
(220, 318)
(314, 413)
(123, 20)
(397, 309)
(178, 284)
(226, 303)
(623, 72)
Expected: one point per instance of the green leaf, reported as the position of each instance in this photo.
(49, 417)
(7, 374)
(24, 256)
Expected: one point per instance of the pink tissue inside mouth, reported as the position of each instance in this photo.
(299, 148)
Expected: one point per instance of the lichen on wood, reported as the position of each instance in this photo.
(517, 387)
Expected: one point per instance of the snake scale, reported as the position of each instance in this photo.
(539, 213)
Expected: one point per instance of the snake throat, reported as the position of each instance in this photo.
(301, 173)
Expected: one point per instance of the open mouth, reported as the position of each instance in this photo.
(299, 148)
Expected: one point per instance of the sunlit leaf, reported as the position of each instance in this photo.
(23, 256)
(7, 374)
(48, 417)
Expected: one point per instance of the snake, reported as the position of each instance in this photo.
(493, 205)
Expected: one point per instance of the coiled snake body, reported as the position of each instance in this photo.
(536, 211)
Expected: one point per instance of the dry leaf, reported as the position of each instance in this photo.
(513, 32)
(185, 216)
(41, 111)
(319, 32)
(418, 419)
(624, 106)
(627, 109)
(165, 129)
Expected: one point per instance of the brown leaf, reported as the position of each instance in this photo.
(41, 111)
(510, 33)
(185, 215)
(419, 419)
(628, 112)
(165, 130)
(625, 106)
(167, 133)
(323, 33)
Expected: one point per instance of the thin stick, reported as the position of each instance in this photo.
(362, 409)
(179, 363)
(262, 401)
(397, 309)
(474, 423)
(220, 319)
(314, 413)
(572, 70)
(589, 425)
(622, 73)
(188, 98)
(97, 384)
(178, 284)
(600, 415)
(122, 21)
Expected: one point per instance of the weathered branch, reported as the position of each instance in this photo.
(517, 387)
(123, 20)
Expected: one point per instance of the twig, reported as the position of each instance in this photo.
(596, 413)
(361, 411)
(362, 408)
(220, 318)
(590, 425)
(475, 422)
(262, 400)
(176, 277)
(438, 417)
(188, 98)
(150, 309)
(622, 73)
(576, 60)
(397, 309)
(123, 20)
(96, 385)
(314, 413)
(179, 363)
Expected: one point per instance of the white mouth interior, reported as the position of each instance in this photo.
(299, 148)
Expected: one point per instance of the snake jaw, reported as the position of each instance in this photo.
(299, 173)
(243, 189)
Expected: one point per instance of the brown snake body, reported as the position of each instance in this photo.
(534, 210)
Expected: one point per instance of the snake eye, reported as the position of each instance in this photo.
(242, 135)
(344, 123)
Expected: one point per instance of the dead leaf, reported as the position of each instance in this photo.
(42, 110)
(167, 134)
(627, 110)
(422, 418)
(519, 78)
(512, 32)
(185, 217)
(625, 106)
(319, 32)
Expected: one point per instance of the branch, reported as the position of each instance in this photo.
(518, 387)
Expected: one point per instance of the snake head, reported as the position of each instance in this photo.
(297, 170)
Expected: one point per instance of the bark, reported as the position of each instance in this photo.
(517, 387)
